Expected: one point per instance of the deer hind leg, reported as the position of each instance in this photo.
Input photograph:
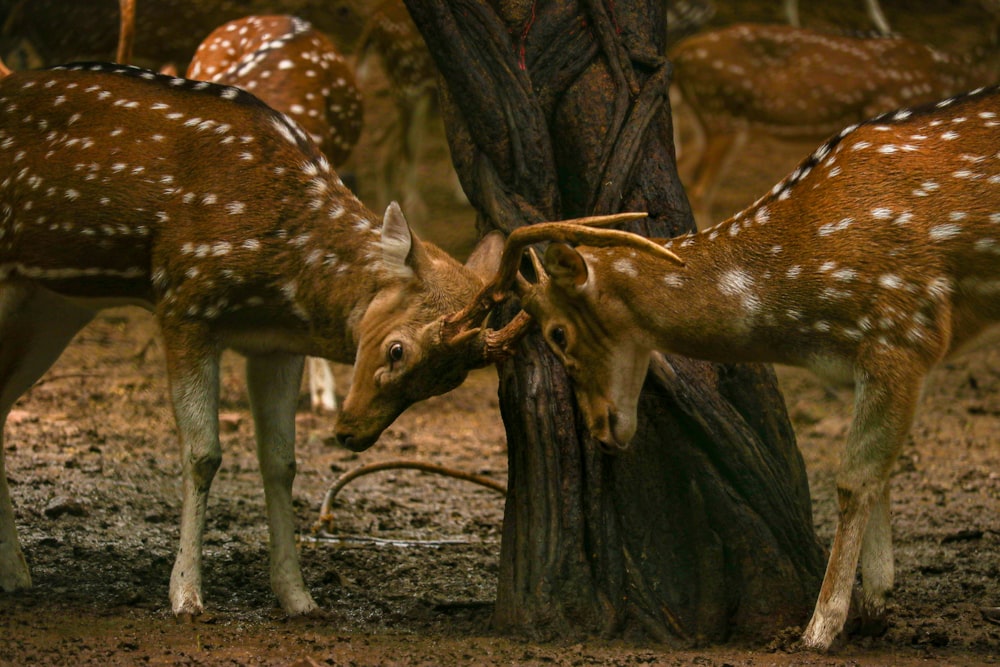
(877, 16)
(877, 567)
(35, 327)
(792, 12)
(414, 136)
(322, 386)
(883, 413)
(273, 383)
(193, 372)
(716, 157)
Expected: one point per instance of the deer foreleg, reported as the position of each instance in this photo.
(884, 408)
(273, 382)
(193, 370)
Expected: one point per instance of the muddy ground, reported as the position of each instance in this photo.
(92, 461)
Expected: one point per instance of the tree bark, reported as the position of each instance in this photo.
(701, 530)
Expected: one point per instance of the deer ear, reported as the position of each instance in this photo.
(565, 266)
(485, 258)
(402, 252)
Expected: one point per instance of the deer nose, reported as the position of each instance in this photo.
(354, 442)
(612, 445)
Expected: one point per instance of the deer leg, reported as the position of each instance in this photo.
(720, 148)
(883, 413)
(877, 568)
(273, 383)
(877, 16)
(792, 12)
(193, 371)
(415, 139)
(321, 385)
(35, 327)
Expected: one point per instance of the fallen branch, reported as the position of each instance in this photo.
(325, 521)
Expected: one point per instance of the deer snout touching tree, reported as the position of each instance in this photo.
(878, 257)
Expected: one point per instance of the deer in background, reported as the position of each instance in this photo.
(296, 70)
(390, 35)
(193, 200)
(877, 258)
(798, 84)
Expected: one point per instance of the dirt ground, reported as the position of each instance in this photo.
(409, 575)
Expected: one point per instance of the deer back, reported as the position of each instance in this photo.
(743, 74)
(296, 69)
(194, 198)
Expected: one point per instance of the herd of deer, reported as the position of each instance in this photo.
(878, 257)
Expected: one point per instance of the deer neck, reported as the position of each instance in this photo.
(329, 278)
(722, 304)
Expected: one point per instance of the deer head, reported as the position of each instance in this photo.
(464, 335)
(607, 364)
(403, 353)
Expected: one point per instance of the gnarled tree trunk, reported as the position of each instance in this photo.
(702, 530)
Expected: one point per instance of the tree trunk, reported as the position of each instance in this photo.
(702, 530)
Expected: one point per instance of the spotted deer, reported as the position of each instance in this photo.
(297, 70)
(193, 200)
(877, 258)
(797, 84)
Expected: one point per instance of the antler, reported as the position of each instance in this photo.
(497, 345)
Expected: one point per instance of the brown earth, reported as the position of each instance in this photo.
(410, 579)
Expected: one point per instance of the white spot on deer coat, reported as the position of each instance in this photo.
(831, 227)
(626, 266)
(890, 281)
(944, 232)
(739, 283)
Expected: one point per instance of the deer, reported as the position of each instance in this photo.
(222, 217)
(295, 69)
(876, 259)
(800, 85)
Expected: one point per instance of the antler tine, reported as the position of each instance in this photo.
(586, 235)
(602, 220)
(523, 287)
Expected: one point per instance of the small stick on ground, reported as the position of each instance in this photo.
(325, 521)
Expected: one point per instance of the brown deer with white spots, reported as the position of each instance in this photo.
(877, 258)
(798, 84)
(295, 69)
(223, 218)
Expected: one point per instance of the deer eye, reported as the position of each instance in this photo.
(395, 352)
(558, 337)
